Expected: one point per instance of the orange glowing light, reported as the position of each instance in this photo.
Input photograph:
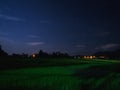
(33, 55)
(85, 57)
(91, 57)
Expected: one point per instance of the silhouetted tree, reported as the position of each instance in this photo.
(23, 55)
(43, 54)
(2, 53)
(59, 54)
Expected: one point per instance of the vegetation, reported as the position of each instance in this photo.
(77, 75)
(57, 71)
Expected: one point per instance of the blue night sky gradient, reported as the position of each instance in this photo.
(72, 26)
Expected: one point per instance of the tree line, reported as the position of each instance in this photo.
(40, 54)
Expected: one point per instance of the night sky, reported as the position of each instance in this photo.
(72, 26)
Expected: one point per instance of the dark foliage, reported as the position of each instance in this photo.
(24, 60)
(2, 53)
(43, 54)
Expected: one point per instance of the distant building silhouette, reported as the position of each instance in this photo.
(108, 54)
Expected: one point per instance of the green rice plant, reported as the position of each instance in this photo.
(88, 75)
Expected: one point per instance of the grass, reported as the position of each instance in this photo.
(65, 74)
